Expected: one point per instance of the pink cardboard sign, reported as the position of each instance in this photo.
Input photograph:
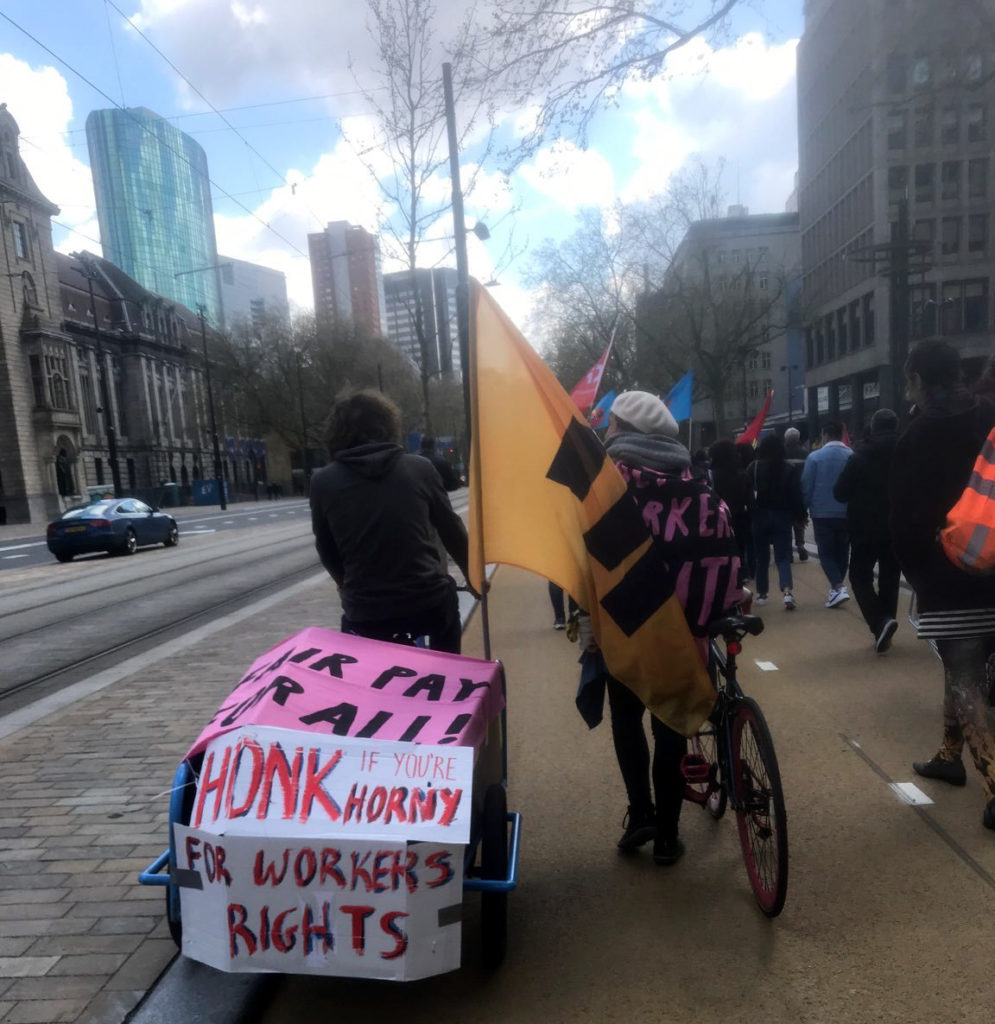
(328, 682)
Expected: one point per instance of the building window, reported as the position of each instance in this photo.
(950, 236)
(854, 325)
(896, 130)
(977, 123)
(923, 126)
(764, 360)
(753, 361)
(98, 471)
(925, 183)
(809, 349)
(38, 382)
(841, 330)
(20, 239)
(977, 232)
(950, 126)
(868, 316)
(976, 305)
(898, 183)
(925, 231)
(768, 385)
(830, 337)
(754, 389)
(923, 300)
(977, 178)
(950, 180)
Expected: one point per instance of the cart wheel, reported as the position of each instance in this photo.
(173, 919)
(494, 865)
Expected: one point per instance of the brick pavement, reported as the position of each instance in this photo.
(85, 808)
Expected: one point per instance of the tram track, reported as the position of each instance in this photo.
(114, 652)
(181, 573)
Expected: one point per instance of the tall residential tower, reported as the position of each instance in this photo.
(154, 206)
(345, 273)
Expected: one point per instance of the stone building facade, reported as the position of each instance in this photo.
(69, 325)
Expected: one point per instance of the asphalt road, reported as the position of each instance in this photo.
(889, 907)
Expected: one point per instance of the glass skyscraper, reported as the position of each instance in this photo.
(154, 206)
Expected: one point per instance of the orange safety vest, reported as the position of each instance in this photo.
(968, 539)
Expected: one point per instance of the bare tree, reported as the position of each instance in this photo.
(710, 316)
(569, 57)
(410, 114)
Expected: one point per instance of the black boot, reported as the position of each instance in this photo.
(640, 828)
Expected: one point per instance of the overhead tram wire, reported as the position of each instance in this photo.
(176, 152)
(211, 105)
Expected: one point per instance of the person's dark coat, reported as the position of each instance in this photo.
(777, 486)
(376, 513)
(933, 461)
(445, 469)
(864, 485)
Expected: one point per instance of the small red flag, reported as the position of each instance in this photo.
(752, 432)
(584, 393)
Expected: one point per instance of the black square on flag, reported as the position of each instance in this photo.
(578, 460)
(617, 533)
(644, 589)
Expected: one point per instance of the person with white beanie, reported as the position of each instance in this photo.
(699, 556)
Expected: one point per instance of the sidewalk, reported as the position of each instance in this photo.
(86, 807)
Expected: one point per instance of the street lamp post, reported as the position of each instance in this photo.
(791, 393)
(219, 482)
(105, 397)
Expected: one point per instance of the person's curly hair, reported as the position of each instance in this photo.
(362, 417)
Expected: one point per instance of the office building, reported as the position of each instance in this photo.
(728, 309)
(430, 295)
(895, 106)
(153, 198)
(251, 293)
(346, 276)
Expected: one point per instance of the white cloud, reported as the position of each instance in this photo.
(38, 98)
(571, 176)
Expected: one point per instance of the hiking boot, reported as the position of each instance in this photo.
(668, 851)
(988, 818)
(789, 601)
(883, 641)
(946, 771)
(640, 828)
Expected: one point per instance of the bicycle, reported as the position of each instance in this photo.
(732, 762)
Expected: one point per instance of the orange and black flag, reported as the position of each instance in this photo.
(544, 496)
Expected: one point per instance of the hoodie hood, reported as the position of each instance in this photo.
(371, 460)
(651, 451)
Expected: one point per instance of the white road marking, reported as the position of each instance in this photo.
(766, 666)
(194, 533)
(18, 547)
(7, 558)
(910, 793)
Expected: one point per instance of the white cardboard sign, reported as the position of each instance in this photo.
(263, 781)
(339, 906)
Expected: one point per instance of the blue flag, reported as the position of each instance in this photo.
(678, 399)
(598, 416)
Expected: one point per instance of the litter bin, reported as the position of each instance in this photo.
(169, 494)
(205, 492)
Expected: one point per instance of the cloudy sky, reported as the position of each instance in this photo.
(279, 71)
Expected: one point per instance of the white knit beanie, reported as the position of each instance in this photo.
(645, 412)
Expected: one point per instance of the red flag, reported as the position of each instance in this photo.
(846, 437)
(585, 392)
(752, 432)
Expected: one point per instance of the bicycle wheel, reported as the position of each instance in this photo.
(759, 803)
(711, 794)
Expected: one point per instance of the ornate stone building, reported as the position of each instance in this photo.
(84, 351)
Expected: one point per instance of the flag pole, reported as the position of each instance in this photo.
(467, 365)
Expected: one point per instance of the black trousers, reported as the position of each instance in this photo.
(440, 623)
(880, 605)
(632, 751)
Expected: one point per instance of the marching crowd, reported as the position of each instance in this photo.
(378, 514)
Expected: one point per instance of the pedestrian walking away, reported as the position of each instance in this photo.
(819, 476)
(447, 471)
(732, 484)
(864, 487)
(701, 562)
(932, 465)
(796, 454)
(378, 514)
(778, 506)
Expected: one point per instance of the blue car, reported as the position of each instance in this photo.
(119, 526)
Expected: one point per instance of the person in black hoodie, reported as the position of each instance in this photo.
(864, 485)
(933, 462)
(376, 513)
(732, 484)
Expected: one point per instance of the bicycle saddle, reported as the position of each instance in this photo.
(735, 626)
